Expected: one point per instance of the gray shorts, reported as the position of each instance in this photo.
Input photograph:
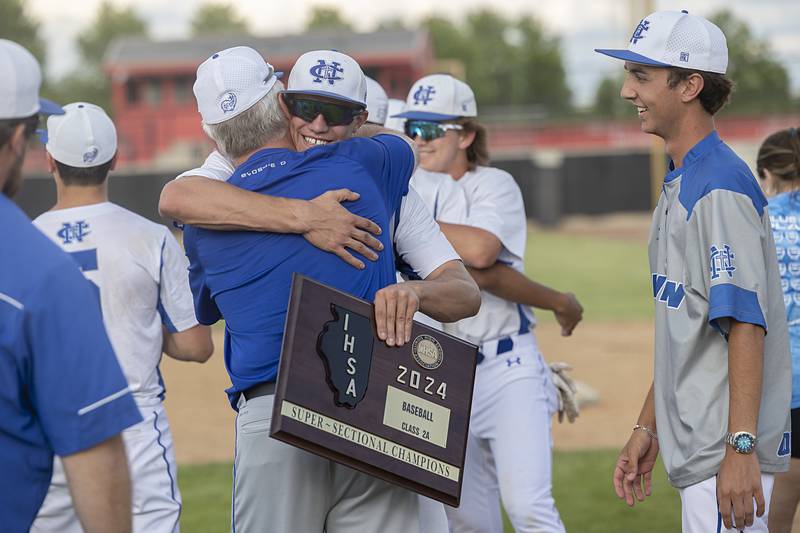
(278, 488)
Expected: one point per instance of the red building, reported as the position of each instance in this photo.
(151, 82)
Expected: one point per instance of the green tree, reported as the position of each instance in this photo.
(327, 18)
(18, 26)
(507, 62)
(217, 19)
(109, 23)
(761, 83)
(607, 101)
(89, 82)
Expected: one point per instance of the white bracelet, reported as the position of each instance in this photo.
(646, 430)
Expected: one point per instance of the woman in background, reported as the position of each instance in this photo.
(778, 167)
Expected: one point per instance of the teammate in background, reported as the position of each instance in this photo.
(509, 447)
(778, 167)
(140, 273)
(394, 108)
(377, 103)
(245, 276)
(63, 391)
(719, 403)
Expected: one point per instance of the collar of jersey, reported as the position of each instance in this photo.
(705, 145)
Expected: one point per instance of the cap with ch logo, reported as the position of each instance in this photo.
(331, 74)
(676, 39)
(439, 97)
(230, 82)
(84, 136)
(377, 102)
(22, 77)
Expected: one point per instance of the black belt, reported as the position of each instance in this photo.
(262, 389)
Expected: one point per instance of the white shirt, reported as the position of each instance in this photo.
(142, 277)
(417, 237)
(493, 203)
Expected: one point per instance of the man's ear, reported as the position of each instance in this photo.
(359, 121)
(691, 87)
(466, 138)
(51, 164)
(113, 162)
(284, 107)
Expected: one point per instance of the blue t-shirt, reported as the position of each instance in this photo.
(246, 276)
(61, 387)
(784, 212)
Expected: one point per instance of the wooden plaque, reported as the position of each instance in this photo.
(398, 413)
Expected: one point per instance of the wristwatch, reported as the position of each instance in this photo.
(741, 442)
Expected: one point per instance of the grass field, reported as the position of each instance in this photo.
(581, 485)
(609, 276)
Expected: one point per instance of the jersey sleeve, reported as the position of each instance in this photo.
(76, 384)
(450, 202)
(205, 308)
(215, 167)
(725, 258)
(175, 303)
(418, 240)
(496, 206)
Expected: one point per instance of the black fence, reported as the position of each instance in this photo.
(577, 185)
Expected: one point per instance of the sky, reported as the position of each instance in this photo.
(582, 25)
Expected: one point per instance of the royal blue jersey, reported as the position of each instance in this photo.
(246, 276)
(61, 387)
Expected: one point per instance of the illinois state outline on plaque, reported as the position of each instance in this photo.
(345, 346)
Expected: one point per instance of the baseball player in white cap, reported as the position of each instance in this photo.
(719, 403)
(140, 273)
(377, 103)
(62, 388)
(509, 449)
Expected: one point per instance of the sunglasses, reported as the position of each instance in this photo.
(428, 130)
(334, 114)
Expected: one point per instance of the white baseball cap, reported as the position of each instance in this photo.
(230, 82)
(22, 77)
(394, 108)
(82, 137)
(676, 39)
(377, 102)
(328, 73)
(439, 97)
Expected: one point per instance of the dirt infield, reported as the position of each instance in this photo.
(613, 358)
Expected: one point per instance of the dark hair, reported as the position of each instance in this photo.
(478, 151)
(85, 177)
(8, 125)
(780, 154)
(716, 87)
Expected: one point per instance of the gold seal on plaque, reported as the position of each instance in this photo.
(427, 352)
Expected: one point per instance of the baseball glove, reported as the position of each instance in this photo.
(567, 404)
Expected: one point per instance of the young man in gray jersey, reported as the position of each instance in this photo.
(719, 404)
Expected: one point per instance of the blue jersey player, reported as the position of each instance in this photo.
(718, 408)
(61, 388)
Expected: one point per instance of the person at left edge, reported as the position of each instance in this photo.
(61, 388)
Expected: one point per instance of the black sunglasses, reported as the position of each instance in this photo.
(428, 130)
(308, 110)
